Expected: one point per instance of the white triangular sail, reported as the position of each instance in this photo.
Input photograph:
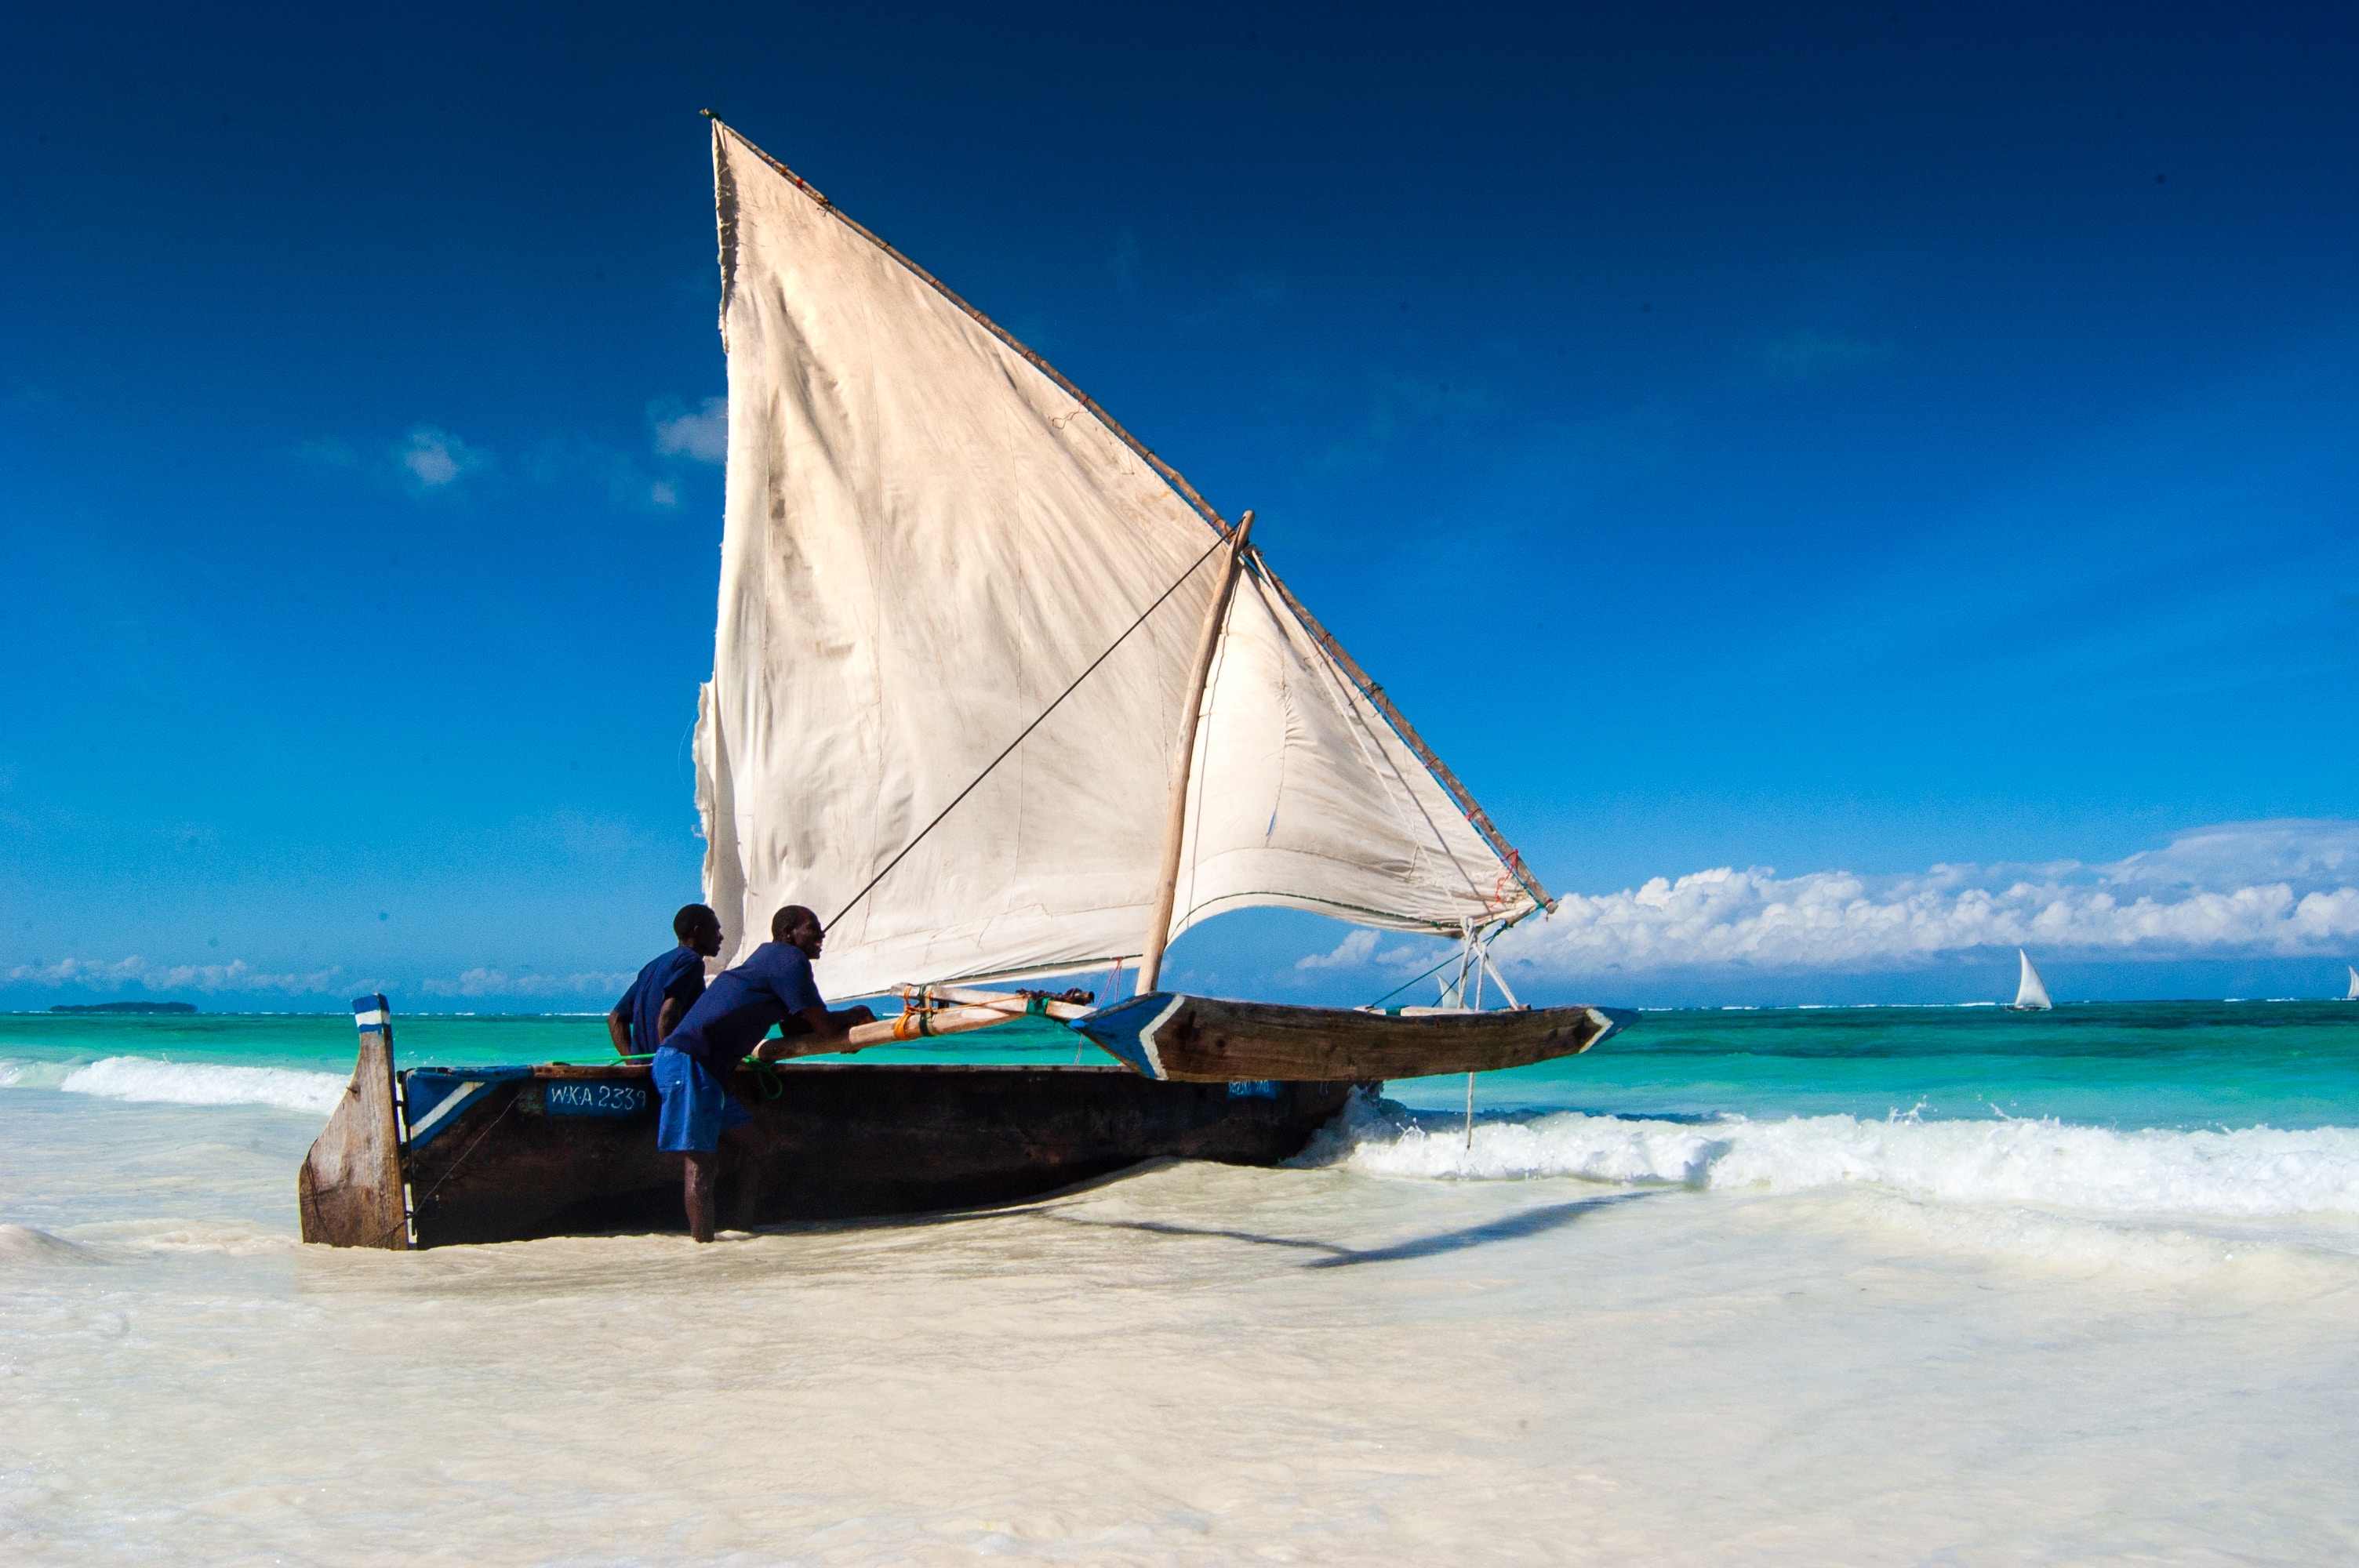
(2352, 994)
(929, 536)
(2030, 994)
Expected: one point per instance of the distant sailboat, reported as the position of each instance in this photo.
(2031, 995)
(2352, 994)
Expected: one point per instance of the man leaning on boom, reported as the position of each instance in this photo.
(695, 1062)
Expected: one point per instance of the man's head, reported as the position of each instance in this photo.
(697, 928)
(797, 927)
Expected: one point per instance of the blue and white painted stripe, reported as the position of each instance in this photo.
(370, 1013)
(1128, 1031)
(433, 1100)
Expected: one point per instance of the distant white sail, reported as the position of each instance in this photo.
(2352, 994)
(929, 537)
(2030, 995)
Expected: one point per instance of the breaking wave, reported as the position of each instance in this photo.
(2253, 1173)
(185, 1083)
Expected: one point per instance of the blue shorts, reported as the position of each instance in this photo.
(696, 1108)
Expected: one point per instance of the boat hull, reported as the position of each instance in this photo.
(519, 1153)
(1192, 1039)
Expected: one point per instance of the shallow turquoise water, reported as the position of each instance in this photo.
(2180, 1065)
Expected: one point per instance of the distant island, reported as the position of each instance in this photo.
(145, 1008)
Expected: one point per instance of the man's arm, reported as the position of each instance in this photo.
(678, 997)
(823, 1022)
(618, 1027)
(797, 1030)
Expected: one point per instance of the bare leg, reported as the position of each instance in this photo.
(696, 1191)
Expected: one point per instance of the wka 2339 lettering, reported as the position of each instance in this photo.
(596, 1099)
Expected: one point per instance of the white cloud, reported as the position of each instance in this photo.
(497, 983)
(1356, 949)
(703, 434)
(2255, 889)
(427, 460)
(1359, 948)
(435, 458)
(564, 458)
(237, 975)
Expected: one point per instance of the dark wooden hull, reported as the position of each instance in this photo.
(557, 1150)
(1194, 1039)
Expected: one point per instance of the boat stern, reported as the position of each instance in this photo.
(349, 1188)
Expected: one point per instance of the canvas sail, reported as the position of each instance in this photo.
(2030, 993)
(927, 536)
(2352, 994)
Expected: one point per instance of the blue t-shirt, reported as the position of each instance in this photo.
(738, 1008)
(677, 976)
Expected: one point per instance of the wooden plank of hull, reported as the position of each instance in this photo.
(1192, 1039)
(839, 1141)
(349, 1190)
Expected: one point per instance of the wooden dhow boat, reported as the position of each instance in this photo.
(997, 690)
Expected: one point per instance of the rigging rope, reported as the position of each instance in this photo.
(415, 1206)
(1410, 981)
(1003, 756)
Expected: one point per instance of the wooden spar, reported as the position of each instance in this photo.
(923, 1017)
(1174, 828)
(1016, 1003)
(1476, 816)
(915, 1023)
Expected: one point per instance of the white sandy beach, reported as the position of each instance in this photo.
(1195, 1364)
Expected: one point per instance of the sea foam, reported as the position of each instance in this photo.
(2252, 1173)
(185, 1083)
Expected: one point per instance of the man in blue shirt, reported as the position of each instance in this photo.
(695, 1062)
(667, 987)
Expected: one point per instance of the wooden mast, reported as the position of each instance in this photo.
(1175, 831)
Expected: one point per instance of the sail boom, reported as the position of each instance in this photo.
(1338, 909)
(998, 977)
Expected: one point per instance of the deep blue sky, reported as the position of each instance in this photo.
(1850, 437)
